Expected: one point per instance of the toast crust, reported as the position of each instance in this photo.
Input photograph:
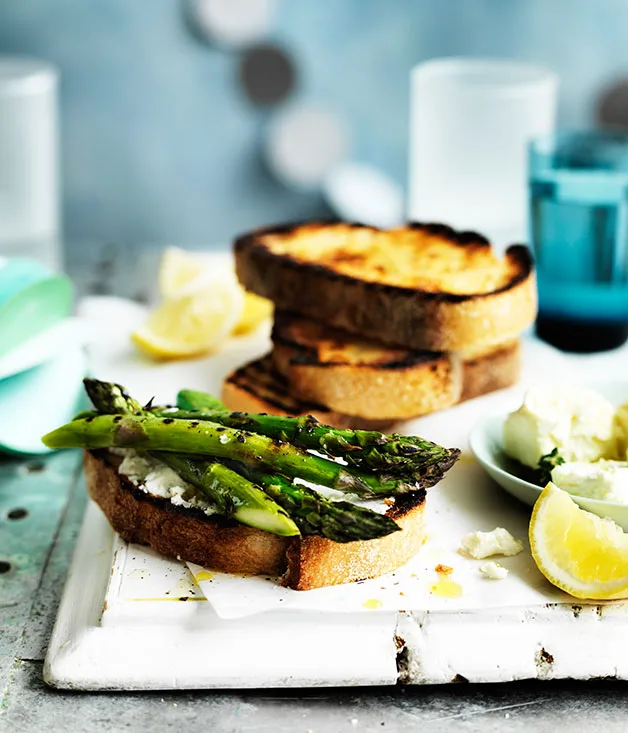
(175, 531)
(259, 387)
(361, 377)
(498, 369)
(315, 561)
(189, 534)
(327, 272)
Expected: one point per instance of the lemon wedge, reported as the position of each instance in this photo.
(177, 269)
(182, 272)
(256, 311)
(193, 324)
(579, 552)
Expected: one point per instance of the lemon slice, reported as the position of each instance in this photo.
(256, 311)
(192, 324)
(579, 552)
(182, 272)
(177, 269)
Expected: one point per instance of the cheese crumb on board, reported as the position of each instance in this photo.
(479, 545)
(493, 570)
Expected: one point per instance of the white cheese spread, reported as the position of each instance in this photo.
(155, 478)
(605, 480)
(381, 506)
(576, 421)
(479, 545)
(493, 570)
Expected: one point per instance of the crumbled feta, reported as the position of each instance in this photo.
(493, 570)
(606, 480)
(577, 421)
(486, 544)
(155, 478)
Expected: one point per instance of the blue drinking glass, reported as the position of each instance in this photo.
(579, 232)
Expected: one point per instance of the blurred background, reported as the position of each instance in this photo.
(166, 114)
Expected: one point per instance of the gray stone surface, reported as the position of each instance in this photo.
(517, 707)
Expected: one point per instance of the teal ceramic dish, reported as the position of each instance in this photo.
(41, 348)
(40, 399)
(33, 310)
(42, 362)
(32, 300)
(485, 441)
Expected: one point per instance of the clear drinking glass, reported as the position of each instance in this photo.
(470, 126)
(579, 231)
(29, 164)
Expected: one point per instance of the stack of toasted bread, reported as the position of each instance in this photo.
(374, 327)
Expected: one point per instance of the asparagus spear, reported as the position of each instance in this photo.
(191, 399)
(366, 449)
(361, 448)
(206, 438)
(391, 455)
(313, 513)
(111, 398)
(234, 495)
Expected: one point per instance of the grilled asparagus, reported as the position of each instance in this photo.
(313, 513)
(206, 438)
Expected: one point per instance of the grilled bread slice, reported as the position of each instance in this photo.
(361, 377)
(347, 373)
(259, 387)
(423, 286)
(498, 368)
(188, 534)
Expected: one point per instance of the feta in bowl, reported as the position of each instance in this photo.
(576, 421)
(585, 425)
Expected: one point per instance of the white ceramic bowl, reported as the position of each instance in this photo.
(485, 441)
